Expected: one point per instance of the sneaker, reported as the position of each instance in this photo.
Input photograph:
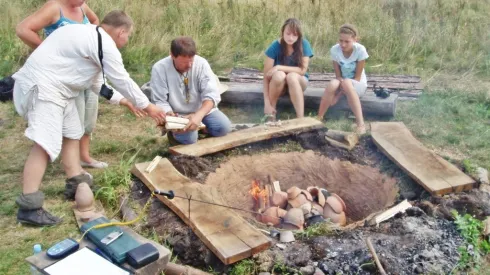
(94, 164)
(37, 217)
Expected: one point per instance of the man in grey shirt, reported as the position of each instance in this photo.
(184, 84)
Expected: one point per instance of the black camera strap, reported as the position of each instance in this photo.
(101, 53)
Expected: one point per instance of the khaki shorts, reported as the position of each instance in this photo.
(88, 106)
(48, 123)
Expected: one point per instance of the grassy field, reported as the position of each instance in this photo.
(446, 42)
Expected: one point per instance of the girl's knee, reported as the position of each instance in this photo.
(346, 83)
(278, 76)
(292, 78)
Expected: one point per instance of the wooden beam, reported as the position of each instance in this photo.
(224, 232)
(245, 136)
(251, 94)
(434, 173)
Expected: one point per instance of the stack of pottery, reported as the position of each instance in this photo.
(293, 209)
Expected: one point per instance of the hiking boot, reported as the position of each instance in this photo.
(37, 217)
(72, 183)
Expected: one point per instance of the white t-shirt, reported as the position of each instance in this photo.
(348, 65)
(67, 63)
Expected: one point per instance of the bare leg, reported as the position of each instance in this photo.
(353, 101)
(84, 149)
(34, 169)
(297, 85)
(276, 87)
(71, 157)
(329, 98)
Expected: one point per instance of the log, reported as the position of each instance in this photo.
(386, 215)
(176, 269)
(251, 94)
(342, 139)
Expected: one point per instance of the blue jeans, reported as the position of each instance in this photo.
(217, 125)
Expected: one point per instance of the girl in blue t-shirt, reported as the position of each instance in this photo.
(285, 69)
(349, 58)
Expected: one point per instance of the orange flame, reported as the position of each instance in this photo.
(256, 191)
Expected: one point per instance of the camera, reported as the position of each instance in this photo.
(106, 91)
(382, 92)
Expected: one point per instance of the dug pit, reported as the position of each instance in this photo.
(423, 240)
(364, 189)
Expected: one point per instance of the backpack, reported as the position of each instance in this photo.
(6, 88)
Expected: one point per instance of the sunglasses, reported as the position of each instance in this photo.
(186, 84)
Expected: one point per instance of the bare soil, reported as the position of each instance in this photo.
(422, 241)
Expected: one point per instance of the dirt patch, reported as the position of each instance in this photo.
(350, 181)
(195, 168)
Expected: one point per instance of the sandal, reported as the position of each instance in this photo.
(94, 164)
(269, 118)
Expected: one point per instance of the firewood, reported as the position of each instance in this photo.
(268, 189)
(346, 140)
(276, 186)
(153, 164)
(401, 207)
(375, 256)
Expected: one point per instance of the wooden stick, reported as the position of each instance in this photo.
(153, 164)
(276, 186)
(375, 256)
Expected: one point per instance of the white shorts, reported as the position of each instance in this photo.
(359, 87)
(48, 123)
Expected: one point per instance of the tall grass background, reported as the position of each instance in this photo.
(402, 36)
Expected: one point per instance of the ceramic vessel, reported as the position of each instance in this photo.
(335, 203)
(293, 192)
(286, 237)
(341, 201)
(338, 218)
(295, 217)
(84, 198)
(280, 199)
(317, 195)
(272, 215)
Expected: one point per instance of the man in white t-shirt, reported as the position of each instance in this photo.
(66, 63)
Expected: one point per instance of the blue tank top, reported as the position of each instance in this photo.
(63, 21)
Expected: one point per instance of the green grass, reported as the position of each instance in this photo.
(471, 229)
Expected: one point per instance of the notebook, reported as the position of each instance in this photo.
(82, 262)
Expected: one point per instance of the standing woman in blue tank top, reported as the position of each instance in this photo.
(53, 15)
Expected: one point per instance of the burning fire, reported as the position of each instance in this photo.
(256, 191)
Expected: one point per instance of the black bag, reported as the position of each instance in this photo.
(6, 89)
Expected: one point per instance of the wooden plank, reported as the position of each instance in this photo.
(435, 174)
(323, 84)
(244, 73)
(251, 93)
(245, 136)
(224, 232)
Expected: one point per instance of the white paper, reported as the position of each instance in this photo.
(83, 262)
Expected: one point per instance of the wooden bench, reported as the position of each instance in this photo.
(245, 87)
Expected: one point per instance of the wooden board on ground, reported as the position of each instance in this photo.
(252, 94)
(224, 232)
(435, 174)
(245, 136)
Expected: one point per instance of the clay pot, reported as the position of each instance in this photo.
(306, 208)
(341, 201)
(280, 199)
(286, 237)
(295, 217)
(316, 208)
(317, 195)
(293, 192)
(307, 195)
(338, 218)
(298, 201)
(272, 215)
(84, 198)
(335, 204)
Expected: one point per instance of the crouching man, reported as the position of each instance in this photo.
(184, 84)
(66, 63)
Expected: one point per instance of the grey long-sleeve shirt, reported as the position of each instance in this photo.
(168, 89)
